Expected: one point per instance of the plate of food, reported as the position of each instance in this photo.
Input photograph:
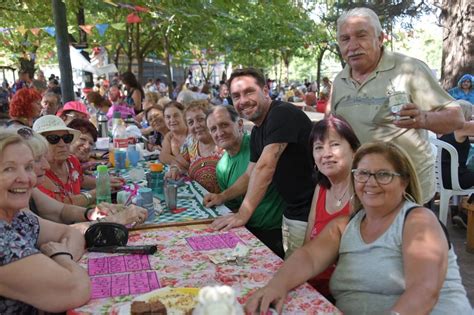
(170, 301)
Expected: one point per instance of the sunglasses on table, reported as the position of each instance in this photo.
(54, 139)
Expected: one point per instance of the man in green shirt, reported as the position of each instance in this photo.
(226, 129)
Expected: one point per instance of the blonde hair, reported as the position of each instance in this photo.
(399, 160)
(9, 137)
(38, 144)
(197, 105)
(152, 97)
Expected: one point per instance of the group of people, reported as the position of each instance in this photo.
(341, 200)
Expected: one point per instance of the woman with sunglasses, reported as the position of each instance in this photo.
(393, 256)
(64, 179)
(38, 269)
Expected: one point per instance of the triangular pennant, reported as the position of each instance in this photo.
(87, 28)
(141, 9)
(21, 29)
(133, 18)
(118, 26)
(35, 31)
(126, 6)
(101, 28)
(51, 30)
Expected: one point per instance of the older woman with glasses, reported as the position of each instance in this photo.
(393, 256)
(64, 179)
(38, 269)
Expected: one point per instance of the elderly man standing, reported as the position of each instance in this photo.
(387, 96)
(279, 154)
(226, 129)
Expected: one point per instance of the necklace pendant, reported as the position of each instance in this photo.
(338, 203)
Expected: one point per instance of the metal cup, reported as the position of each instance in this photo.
(145, 200)
(171, 196)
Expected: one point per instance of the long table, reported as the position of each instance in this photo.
(182, 261)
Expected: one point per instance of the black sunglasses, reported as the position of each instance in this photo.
(54, 139)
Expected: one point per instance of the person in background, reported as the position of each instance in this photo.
(334, 145)
(25, 107)
(326, 86)
(73, 110)
(154, 115)
(459, 139)
(279, 154)
(135, 93)
(222, 98)
(53, 86)
(226, 129)
(38, 269)
(322, 102)
(171, 144)
(375, 81)
(464, 89)
(393, 256)
(24, 81)
(199, 151)
(82, 147)
(50, 103)
(118, 104)
(151, 99)
(100, 103)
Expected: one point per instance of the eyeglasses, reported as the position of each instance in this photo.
(25, 132)
(382, 177)
(54, 139)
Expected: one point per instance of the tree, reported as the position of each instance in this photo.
(456, 19)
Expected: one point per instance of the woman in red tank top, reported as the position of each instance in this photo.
(334, 145)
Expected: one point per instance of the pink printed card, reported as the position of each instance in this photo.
(117, 264)
(213, 241)
(124, 284)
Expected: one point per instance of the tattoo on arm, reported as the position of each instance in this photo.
(281, 148)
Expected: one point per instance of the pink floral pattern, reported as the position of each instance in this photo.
(177, 265)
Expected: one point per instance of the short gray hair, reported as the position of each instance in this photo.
(367, 13)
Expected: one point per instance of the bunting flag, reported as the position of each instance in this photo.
(111, 3)
(35, 31)
(141, 9)
(118, 26)
(87, 28)
(101, 28)
(51, 30)
(21, 29)
(133, 18)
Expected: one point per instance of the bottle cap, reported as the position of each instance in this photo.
(102, 168)
(156, 167)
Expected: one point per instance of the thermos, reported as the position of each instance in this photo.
(102, 123)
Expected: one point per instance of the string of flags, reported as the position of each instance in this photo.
(100, 27)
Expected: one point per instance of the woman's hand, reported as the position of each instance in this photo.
(173, 173)
(116, 183)
(132, 215)
(261, 300)
(51, 248)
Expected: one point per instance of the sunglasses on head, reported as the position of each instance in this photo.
(25, 132)
(54, 139)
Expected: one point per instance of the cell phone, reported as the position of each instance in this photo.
(138, 249)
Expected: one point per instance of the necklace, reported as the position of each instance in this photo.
(339, 200)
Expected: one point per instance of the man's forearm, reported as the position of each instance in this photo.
(239, 188)
(444, 121)
(257, 187)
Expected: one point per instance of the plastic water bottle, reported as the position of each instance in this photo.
(103, 192)
(156, 180)
(120, 141)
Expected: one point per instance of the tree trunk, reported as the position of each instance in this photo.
(458, 44)
(65, 69)
(128, 31)
(139, 53)
(168, 64)
(318, 75)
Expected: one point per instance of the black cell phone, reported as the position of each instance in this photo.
(139, 249)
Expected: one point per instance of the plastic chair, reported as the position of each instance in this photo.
(456, 190)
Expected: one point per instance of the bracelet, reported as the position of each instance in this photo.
(61, 253)
(88, 197)
(86, 213)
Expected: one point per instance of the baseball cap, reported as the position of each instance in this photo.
(75, 106)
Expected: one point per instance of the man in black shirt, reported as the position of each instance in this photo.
(280, 153)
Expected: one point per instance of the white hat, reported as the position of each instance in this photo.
(53, 123)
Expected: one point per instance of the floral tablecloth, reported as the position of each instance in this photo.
(177, 265)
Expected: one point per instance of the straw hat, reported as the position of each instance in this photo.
(53, 123)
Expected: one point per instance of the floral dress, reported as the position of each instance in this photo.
(18, 239)
(201, 168)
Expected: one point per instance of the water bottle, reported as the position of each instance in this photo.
(156, 180)
(103, 192)
(120, 141)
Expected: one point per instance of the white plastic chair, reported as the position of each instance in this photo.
(456, 190)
